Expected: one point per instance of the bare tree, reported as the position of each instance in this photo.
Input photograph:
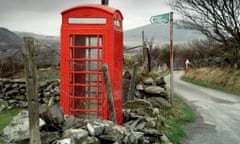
(216, 19)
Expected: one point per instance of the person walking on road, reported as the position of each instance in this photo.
(187, 63)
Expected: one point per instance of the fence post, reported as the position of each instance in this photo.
(31, 84)
(109, 93)
(132, 83)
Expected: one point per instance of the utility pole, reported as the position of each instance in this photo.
(165, 18)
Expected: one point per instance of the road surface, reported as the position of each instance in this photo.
(220, 113)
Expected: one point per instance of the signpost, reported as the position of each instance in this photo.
(165, 18)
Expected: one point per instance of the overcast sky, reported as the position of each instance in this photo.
(44, 16)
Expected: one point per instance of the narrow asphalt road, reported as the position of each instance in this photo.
(220, 113)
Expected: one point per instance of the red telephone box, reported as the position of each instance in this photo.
(91, 35)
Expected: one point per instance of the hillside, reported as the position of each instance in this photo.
(10, 43)
(46, 47)
(9, 38)
(45, 38)
(160, 33)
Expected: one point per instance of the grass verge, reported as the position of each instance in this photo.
(6, 118)
(181, 113)
(222, 79)
(213, 86)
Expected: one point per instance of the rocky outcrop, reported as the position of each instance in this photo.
(13, 93)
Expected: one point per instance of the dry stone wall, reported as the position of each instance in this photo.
(141, 116)
(13, 93)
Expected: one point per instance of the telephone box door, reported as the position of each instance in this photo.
(86, 80)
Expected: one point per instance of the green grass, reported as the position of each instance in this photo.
(173, 118)
(213, 86)
(174, 132)
(185, 115)
(6, 118)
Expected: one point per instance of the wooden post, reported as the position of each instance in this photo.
(132, 83)
(109, 93)
(145, 54)
(148, 60)
(31, 84)
(171, 59)
(143, 46)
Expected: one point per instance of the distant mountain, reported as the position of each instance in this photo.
(10, 43)
(160, 33)
(45, 38)
(46, 47)
(9, 38)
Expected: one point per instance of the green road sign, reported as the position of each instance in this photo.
(163, 18)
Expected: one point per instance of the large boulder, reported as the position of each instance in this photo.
(147, 80)
(53, 115)
(161, 82)
(76, 136)
(73, 122)
(137, 109)
(137, 104)
(3, 105)
(97, 127)
(159, 102)
(154, 90)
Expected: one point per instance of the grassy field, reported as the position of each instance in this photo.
(227, 80)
